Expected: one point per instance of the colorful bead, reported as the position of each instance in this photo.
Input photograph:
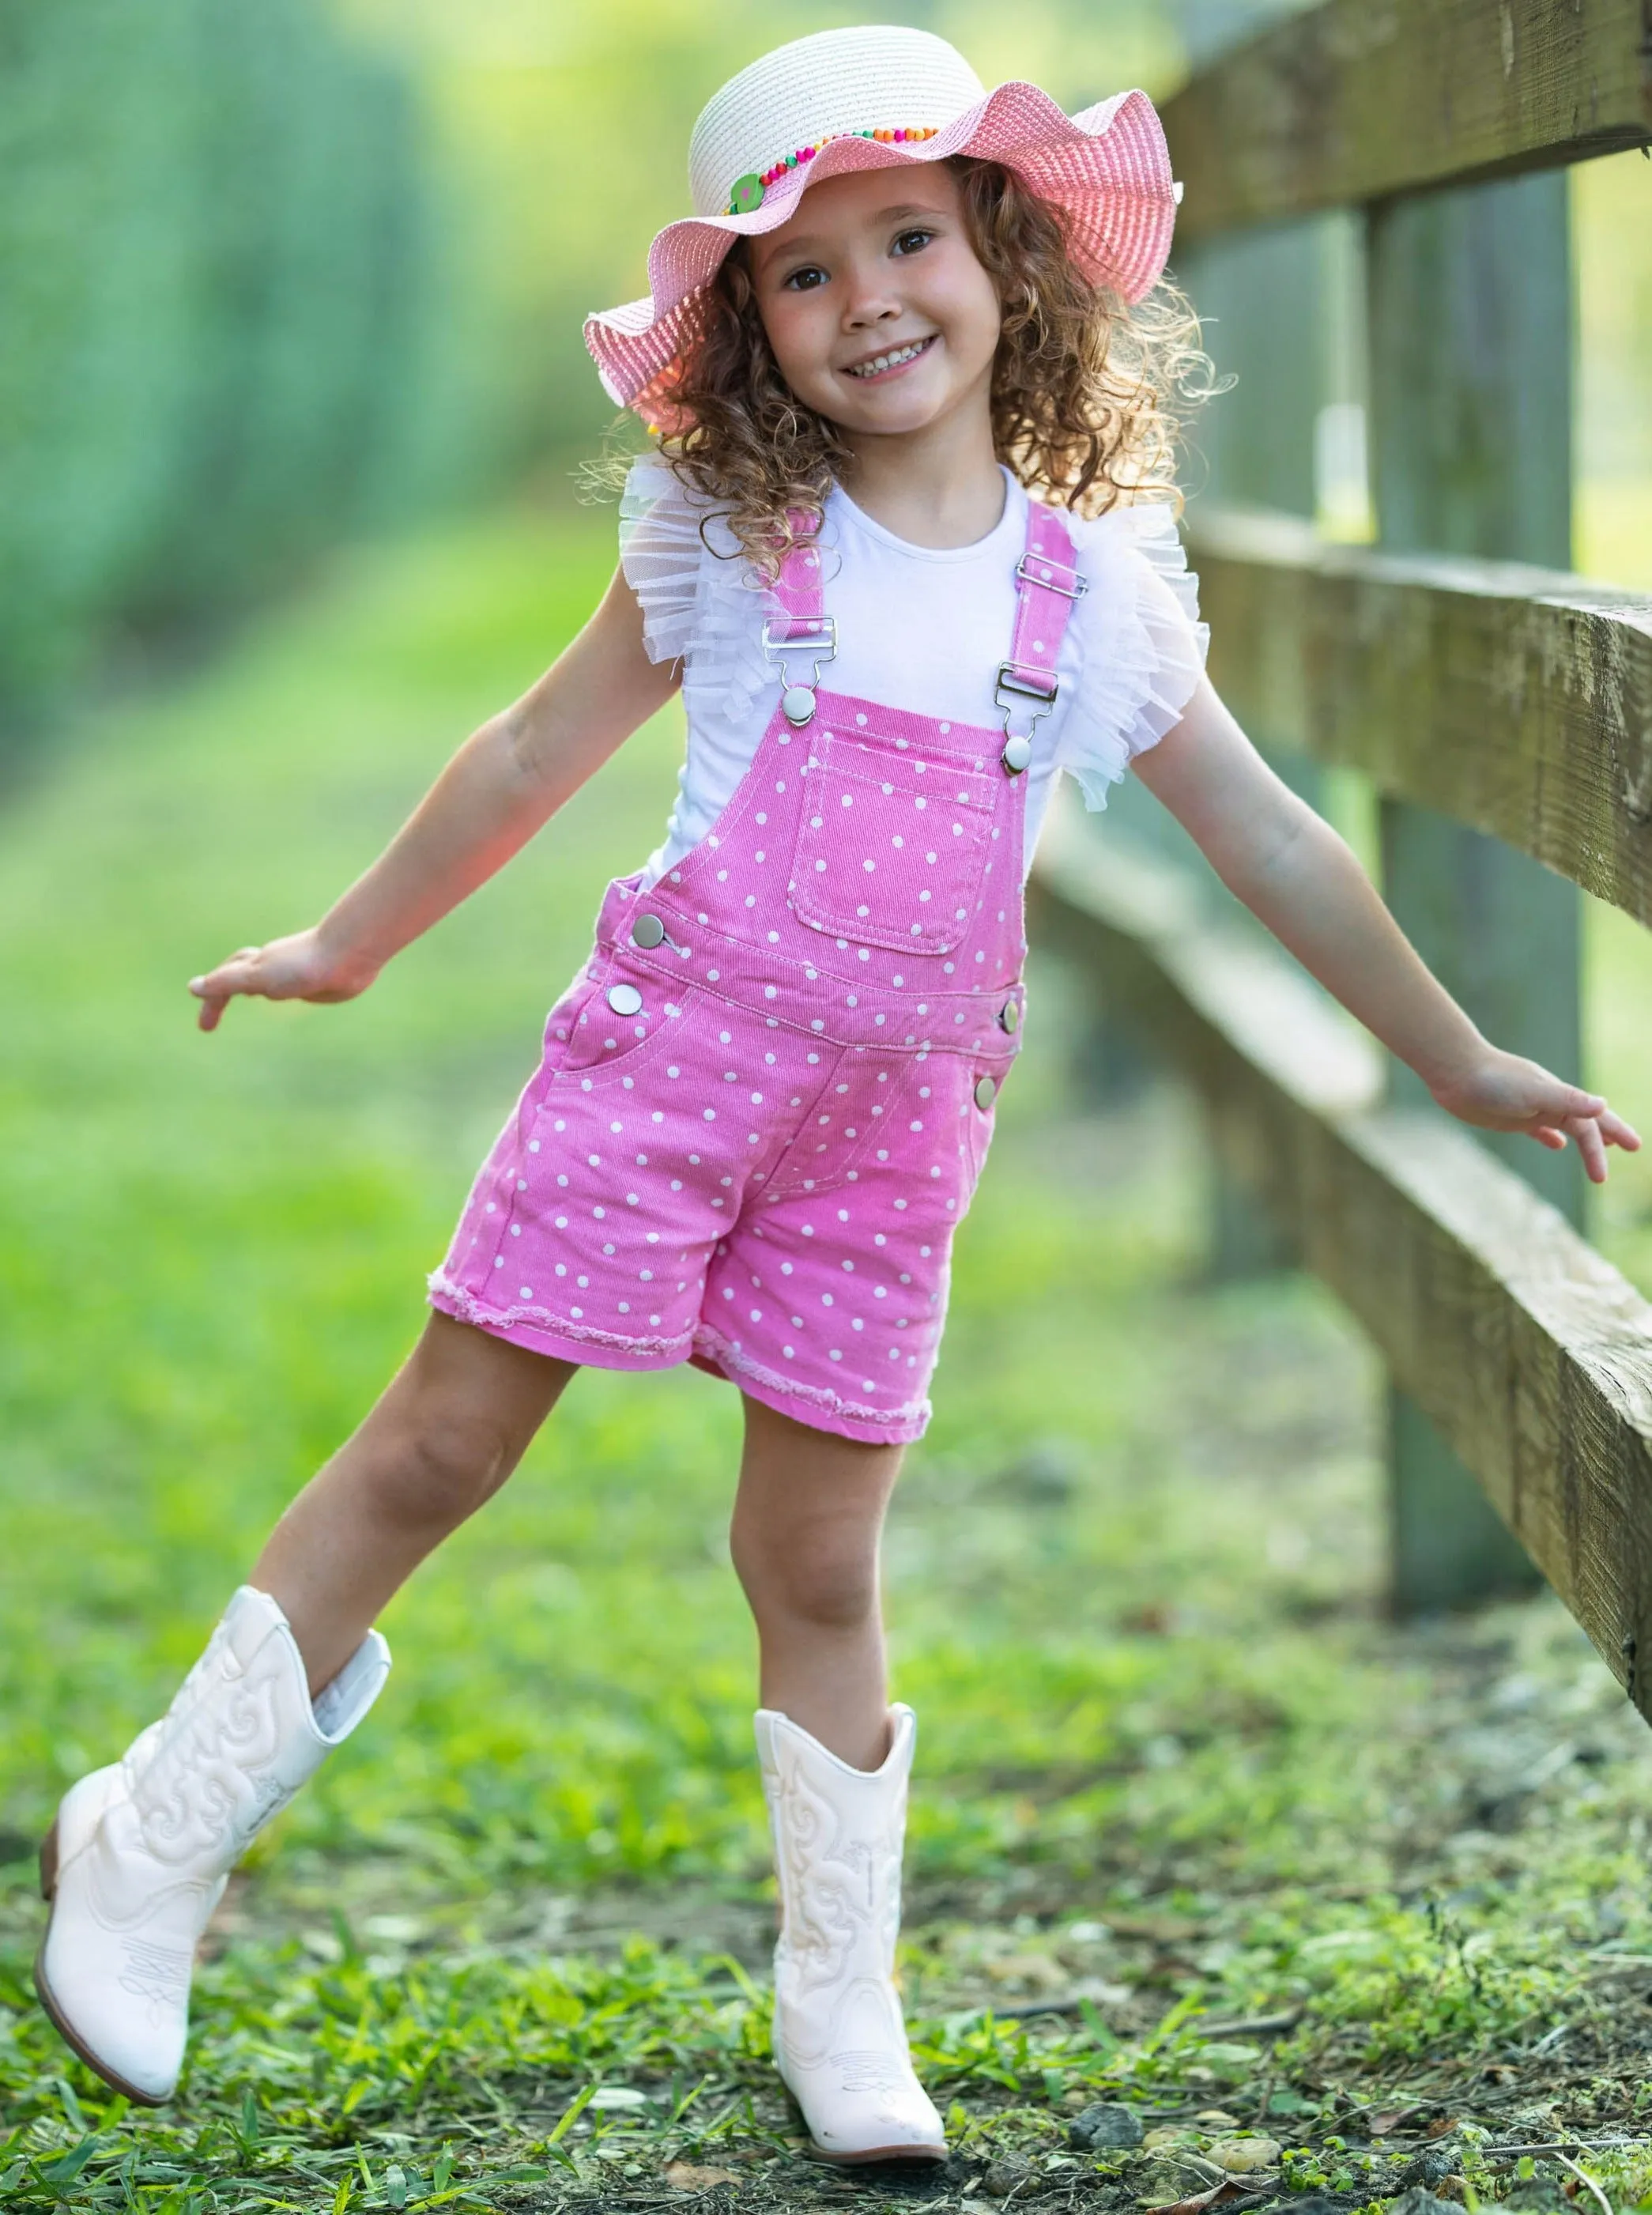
(746, 195)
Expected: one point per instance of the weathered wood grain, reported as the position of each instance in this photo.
(1526, 1348)
(1361, 99)
(1517, 700)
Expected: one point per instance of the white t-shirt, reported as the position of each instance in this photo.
(919, 627)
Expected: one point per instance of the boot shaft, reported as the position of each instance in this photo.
(241, 1737)
(838, 1835)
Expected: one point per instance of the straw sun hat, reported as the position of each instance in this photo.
(874, 97)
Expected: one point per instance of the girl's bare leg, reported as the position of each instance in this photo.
(451, 1426)
(807, 1520)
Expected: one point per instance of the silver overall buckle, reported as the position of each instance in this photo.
(1046, 582)
(1038, 685)
(817, 639)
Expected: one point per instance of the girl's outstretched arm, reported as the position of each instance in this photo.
(1292, 870)
(504, 783)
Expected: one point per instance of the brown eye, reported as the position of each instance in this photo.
(912, 242)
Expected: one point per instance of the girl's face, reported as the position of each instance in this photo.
(880, 317)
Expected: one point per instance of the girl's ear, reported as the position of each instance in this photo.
(737, 265)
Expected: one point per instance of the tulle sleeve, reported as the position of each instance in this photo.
(660, 550)
(701, 604)
(1141, 642)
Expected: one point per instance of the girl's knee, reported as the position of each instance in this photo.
(440, 1463)
(829, 1588)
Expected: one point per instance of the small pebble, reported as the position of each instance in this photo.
(1105, 2125)
(1240, 2157)
(1432, 2166)
(1007, 2170)
(1416, 2201)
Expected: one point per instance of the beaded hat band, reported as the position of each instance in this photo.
(1107, 170)
(747, 192)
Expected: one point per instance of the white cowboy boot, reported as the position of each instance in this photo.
(839, 2039)
(141, 1851)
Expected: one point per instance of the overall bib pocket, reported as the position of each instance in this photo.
(891, 847)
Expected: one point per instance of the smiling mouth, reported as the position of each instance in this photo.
(897, 358)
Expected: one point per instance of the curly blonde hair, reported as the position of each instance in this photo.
(1090, 394)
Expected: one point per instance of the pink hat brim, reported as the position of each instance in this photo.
(1108, 168)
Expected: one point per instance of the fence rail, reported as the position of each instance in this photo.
(1516, 700)
(1361, 99)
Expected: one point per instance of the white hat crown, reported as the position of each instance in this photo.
(872, 76)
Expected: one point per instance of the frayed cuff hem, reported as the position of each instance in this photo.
(542, 1331)
(821, 1408)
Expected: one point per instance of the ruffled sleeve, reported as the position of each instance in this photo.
(1141, 643)
(660, 550)
(700, 603)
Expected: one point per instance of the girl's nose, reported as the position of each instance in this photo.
(871, 305)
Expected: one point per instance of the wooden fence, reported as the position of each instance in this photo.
(1502, 711)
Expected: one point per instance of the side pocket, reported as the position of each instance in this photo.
(605, 1043)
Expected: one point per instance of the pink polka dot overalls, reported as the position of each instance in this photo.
(765, 1100)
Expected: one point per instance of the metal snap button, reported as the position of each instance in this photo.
(647, 931)
(1017, 752)
(797, 705)
(986, 1092)
(1010, 1016)
(625, 999)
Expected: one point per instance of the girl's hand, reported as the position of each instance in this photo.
(1502, 1092)
(298, 969)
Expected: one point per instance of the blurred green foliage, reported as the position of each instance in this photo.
(272, 274)
(222, 289)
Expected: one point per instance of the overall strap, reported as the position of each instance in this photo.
(802, 627)
(1048, 585)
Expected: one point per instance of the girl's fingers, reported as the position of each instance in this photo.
(1616, 1133)
(1592, 1145)
(1546, 1135)
(216, 990)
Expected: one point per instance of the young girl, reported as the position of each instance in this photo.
(908, 544)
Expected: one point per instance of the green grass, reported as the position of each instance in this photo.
(1171, 1758)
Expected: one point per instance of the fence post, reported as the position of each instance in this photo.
(1470, 311)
